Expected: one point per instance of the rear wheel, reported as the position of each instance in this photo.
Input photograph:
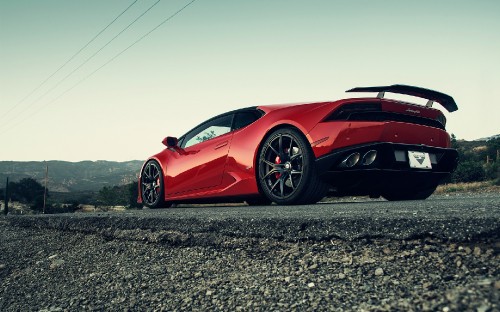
(152, 185)
(409, 195)
(286, 172)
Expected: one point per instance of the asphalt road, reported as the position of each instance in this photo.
(453, 218)
(442, 254)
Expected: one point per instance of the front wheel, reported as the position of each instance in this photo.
(286, 171)
(152, 185)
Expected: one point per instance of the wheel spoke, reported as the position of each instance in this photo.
(272, 148)
(296, 172)
(269, 173)
(149, 172)
(275, 184)
(290, 148)
(293, 157)
(267, 162)
(282, 184)
(291, 182)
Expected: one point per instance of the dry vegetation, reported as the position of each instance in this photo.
(472, 187)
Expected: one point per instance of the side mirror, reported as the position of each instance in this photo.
(170, 142)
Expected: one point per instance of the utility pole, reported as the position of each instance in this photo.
(498, 167)
(6, 198)
(45, 191)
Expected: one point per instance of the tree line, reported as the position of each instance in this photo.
(30, 192)
(476, 162)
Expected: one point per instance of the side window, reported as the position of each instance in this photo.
(243, 119)
(208, 130)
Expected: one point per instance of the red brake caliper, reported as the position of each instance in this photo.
(277, 161)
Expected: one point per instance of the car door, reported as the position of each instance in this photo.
(200, 160)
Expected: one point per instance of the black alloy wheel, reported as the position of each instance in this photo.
(286, 172)
(152, 188)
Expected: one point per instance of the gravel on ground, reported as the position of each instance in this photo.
(43, 269)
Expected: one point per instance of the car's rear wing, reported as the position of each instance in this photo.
(433, 96)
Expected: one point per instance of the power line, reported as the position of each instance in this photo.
(100, 67)
(84, 62)
(69, 60)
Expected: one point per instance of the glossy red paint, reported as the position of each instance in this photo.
(225, 166)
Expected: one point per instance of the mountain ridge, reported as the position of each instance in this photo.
(65, 176)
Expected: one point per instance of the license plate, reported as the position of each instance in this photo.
(419, 160)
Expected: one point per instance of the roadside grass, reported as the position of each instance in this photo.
(472, 187)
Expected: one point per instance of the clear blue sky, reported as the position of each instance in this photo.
(219, 55)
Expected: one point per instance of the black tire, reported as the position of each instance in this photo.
(286, 172)
(409, 195)
(152, 185)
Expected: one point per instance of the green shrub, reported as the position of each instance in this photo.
(468, 171)
(492, 171)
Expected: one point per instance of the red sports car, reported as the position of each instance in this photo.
(297, 153)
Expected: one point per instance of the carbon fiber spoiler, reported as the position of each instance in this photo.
(433, 96)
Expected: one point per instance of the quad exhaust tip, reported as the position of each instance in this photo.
(369, 158)
(351, 160)
(354, 158)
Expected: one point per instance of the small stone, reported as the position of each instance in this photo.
(2, 266)
(484, 282)
(52, 257)
(446, 309)
(341, 276)
(209, 293)
(477, 251)
(198, 274)
(497, 285)
(379, 272)
(483, 308)
(287, 279)
(56, 263)
(313, 267)
(311, 285)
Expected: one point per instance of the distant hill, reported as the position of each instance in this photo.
(496, 136)
(72, 176)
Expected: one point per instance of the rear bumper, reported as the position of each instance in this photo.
(390, 170)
